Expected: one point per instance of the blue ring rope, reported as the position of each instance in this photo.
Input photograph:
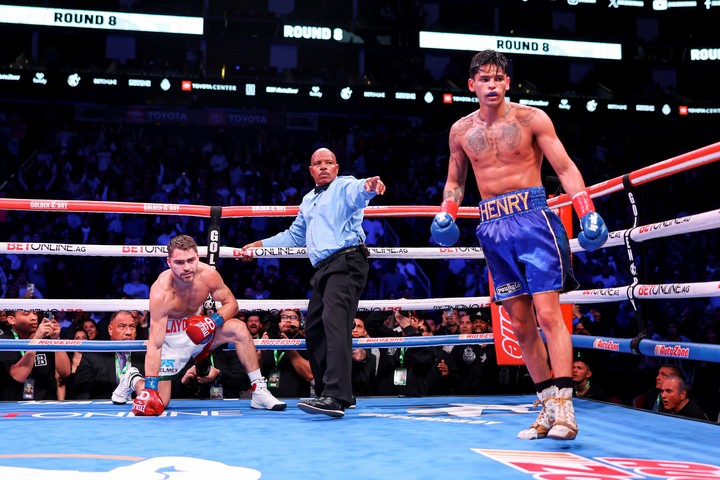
(650, 348)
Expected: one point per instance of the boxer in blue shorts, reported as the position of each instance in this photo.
(525, 244)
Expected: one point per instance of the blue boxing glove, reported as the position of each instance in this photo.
(444, 230)
(594, 232)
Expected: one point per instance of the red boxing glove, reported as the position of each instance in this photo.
(148, 404)
(201, 329)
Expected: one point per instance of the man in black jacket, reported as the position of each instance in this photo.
(584, 388)
(674, 393)
(288, 372)
(99, 373)
(29, 375)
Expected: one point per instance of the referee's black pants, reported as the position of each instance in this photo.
(336, 290)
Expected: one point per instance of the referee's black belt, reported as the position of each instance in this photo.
(362, 248)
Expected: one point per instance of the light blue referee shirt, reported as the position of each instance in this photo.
(328, 221)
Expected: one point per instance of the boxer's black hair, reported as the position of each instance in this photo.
(489, 57)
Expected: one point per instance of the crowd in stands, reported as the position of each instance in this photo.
(51, 156)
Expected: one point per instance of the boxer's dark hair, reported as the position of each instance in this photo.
(182, 242)
(488, 57)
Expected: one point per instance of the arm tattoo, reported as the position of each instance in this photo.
(456, 195)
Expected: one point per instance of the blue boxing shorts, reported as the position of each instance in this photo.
(525, 245)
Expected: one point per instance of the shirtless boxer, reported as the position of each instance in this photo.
(525, 244)
(179, 333)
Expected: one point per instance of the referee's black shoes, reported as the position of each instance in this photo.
(324, 405)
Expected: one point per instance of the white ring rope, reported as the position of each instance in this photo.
(689, 224)
(598, 295)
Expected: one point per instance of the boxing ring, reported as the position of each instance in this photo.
(432, 437)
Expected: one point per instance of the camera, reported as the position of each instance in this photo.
(202, 369)
(273, 329)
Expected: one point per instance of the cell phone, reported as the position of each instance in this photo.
(31, 287)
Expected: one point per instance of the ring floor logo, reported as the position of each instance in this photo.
(168, 468)
(569, 466)
(469, 413)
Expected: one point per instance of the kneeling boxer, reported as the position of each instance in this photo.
(178, 333)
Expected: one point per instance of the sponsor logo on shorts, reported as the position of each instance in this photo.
(508, 288)
(168, 366)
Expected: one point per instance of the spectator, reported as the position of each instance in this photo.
(705, 376)
(220, 376)
(675, 400)
(391, 283)
(90, 328)
(254, 324)
(450, 323)
(27, 289)
(476, 364)
(439, 380)
(581, 374)
(288, 371)
(605, 279)
(4, 325)
(272, 281)
(135, 288)
(36, 268)
(481, 323)
(75, 358)
(290, 287)
(374, 231)
(259, 292)
(403, 371)
(364, 363)
(652, 399)
(12, 291)
(99, 373)
(29, 375)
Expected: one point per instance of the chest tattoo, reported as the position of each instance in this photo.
(497, 139)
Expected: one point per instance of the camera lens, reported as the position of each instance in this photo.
(203, 368)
